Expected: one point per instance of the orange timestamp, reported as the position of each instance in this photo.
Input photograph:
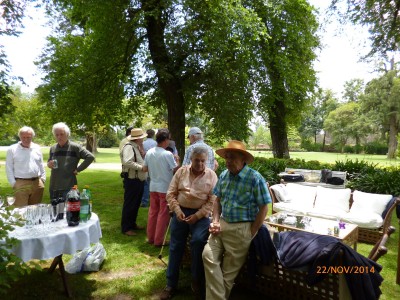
(345, 269)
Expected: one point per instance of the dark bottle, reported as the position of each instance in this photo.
(73, 206)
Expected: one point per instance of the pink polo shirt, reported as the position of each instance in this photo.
(189, 191)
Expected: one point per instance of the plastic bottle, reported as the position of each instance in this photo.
(84, 212)
(73, 206)
(90, 201)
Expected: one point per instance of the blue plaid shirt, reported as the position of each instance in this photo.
(241, 194)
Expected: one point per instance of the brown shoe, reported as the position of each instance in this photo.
(167, 293)
(130, 233)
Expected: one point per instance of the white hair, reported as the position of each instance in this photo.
(199, 150)
(61, 125)
(26, 129)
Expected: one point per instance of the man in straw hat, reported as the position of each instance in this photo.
(238, 213)
(134, 177)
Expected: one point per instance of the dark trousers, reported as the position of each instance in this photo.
(133, 192)
(179, 233)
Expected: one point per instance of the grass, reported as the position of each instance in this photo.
(132, 269)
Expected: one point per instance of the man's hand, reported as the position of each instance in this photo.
(215, 228)
(192, 219)
(181, 217)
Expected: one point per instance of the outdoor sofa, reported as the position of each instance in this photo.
(371, 212)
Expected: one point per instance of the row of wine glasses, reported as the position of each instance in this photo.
(39, 217)
(10, 200)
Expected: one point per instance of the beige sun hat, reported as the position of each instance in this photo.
(237, 146)
(136, 133)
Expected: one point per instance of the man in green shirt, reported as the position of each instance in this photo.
(63, 161)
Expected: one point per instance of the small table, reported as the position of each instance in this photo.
(348, 236)
(61, 239)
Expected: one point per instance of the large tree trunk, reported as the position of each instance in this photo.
(168, 80)
(393, 132)
(91, 143)
(280, 145)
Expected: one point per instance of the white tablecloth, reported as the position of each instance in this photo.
(63, 239)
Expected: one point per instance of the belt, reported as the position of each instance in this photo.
(32, 179)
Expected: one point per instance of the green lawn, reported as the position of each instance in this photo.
(111, 155)
(132, 269)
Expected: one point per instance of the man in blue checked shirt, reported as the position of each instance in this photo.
(238, 213)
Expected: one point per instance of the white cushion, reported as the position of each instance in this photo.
(338, 199)
(281, 192)
(292, 208)
(364, 219)
(369, 202)
(301, 194)
(330, 213)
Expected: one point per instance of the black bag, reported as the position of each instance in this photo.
(335, 181)
(325, 175)
(293, 178)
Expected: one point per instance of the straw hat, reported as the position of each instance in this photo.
(136, 133)
(237, 146)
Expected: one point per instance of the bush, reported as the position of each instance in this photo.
(309, 146)
(376, 148)
(109, 140)
(380, 182)
(349, 149)
(11, 267)
(7, 142)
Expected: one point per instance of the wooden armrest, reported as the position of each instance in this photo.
(380, 247)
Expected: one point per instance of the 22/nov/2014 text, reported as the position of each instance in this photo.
(345, 269)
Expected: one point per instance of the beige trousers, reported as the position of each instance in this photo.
(28, 192)
(224, 256)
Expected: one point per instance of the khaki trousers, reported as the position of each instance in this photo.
(224, 256)
(28, 192)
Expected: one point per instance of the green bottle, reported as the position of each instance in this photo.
(84, 213)
(90, 201)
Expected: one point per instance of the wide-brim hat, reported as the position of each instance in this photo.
(236, 146)
(136, 133)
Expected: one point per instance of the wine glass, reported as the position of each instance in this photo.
(29, 216)
(46, 216)
(54, 213)
(10, 200)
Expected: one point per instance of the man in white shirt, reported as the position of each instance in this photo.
(196, 139)
(161, 165)
(25, 170)
(147, 145)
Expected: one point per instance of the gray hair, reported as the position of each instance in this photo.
(199, 150)
(26, 129)
(61, 125)
(198, 136)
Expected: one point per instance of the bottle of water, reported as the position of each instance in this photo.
(84, 213)
(90, 201)
(73, 207)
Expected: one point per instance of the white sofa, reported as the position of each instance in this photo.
(363, 209)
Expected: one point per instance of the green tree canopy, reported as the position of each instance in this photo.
(222, 58)
(381, 102)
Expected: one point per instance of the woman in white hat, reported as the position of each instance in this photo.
(133, 177)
